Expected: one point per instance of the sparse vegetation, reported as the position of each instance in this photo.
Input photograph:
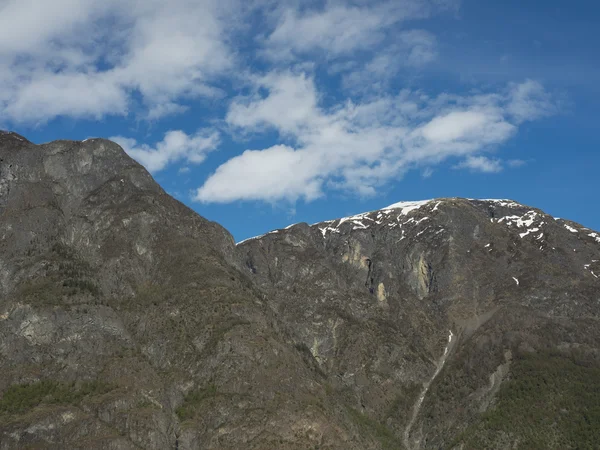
(18, 399)
(368, 426)
(192, 400)
(550, 401)
(67, 275)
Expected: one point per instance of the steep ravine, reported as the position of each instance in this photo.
(417, 406)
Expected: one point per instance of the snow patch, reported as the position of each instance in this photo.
(595, 236)
(364, 220)
(406, 207)
(571, 229)
(360, 225)
(532, 230)
(526, 221)
(516, 280)
(330, 229)
(587, 266)
(249, 239)
(501, 202)
(422, 231)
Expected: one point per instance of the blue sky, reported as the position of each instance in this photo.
(262, 113)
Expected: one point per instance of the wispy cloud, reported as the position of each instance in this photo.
(529, 101)
(176, 146)
(355, 146)
(319, 78)
(412, 49)
(341, 28)
(480, 164)
(514, 163)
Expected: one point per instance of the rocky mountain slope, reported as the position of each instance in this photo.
(128, 321)
(421, 312)
(124, 322)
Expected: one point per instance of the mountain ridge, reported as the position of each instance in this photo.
(407, 206)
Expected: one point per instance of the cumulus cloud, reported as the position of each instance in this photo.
(81, 58)
(176, 146)
(474, 124)
(291, 104)
(153, 59)
(276, 173)
(354, 146)
(89, 59)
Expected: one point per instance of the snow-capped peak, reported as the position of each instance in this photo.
(406, 207)
(392, 214)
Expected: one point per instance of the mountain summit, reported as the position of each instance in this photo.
(127, 321)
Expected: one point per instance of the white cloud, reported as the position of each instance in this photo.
(465, 125)
(412, 49)
(275, 173)
(291, 104)
(421, 46)
(341, 28)
(35, 27)
(514, 163)
(92, 59)
(353, 146)
(480, 164)
(529, 101)
(82, 58)
(337, 30)
(48, 95)
(176, 146)
(427, 173)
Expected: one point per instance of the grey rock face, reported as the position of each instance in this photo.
(394, 304)
(124, 322)
(128, 321)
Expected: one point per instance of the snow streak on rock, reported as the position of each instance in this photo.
(394, 215)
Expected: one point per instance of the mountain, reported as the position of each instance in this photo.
(127, 321)
(425, 314)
